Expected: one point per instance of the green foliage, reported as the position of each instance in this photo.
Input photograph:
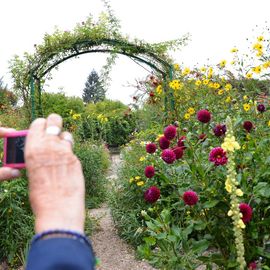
(94, 90)
(95, 162)
(16, 222)
(110, 121)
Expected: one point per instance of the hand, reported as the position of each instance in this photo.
(56, 182)
(6, 172)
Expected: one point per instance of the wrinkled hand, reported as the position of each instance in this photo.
(7, 173)
(56, 182)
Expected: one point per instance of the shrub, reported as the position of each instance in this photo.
(95, 163)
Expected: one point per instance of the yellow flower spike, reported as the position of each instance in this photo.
(241, 224)
(239, 192)
(140, 183)
(230, 144)
(246, 107)
(230, 213)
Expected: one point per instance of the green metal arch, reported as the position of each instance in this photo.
(133, 51)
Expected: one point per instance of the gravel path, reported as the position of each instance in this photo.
(113, 252)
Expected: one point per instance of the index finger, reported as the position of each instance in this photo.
(5, 131)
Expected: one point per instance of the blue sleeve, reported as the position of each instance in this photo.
(60, 254)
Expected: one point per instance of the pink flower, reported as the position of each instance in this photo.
(252, 266)
(218, 156)
(178, 152)
(181, 142)
(248, 126)
(168, 156)
(261, 108)
(151, 148)
(149, 171)
(152, 194)
(219, 130)
(204, 116)
(246, 211)
(190, 197)
(164, 143)
(170, 132)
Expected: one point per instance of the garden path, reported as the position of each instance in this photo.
(113, 252)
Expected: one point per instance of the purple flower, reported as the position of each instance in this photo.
(170, 132)
(218, 156)
(261, 108)
(168, 156)
(164, 143)
(149, 171)
(219, 130)
(151, 148)
(152, 194)
(204, 116)
(190, 197)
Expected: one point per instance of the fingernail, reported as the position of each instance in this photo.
(15, 173)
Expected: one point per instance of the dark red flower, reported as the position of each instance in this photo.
(204, 116)
(252, 266)
(151, 94)
(261, 108)
(202, 137)
(219, 130)
(164, 143)
(168, 156)
(152, 194)
(170, 132)
(181, 142)
(190, 197)
(178, 152)
(246, 211)
(149, 171)
(248, 126)
(151, 148)
(218, 156)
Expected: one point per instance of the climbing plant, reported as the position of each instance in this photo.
(102, 35)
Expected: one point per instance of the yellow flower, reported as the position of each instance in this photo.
(222, 64)
(230, 144)
(248, 136)
(176, 67)
(176, 84)
(246, 107)
(216, 85)
(232, 63)
(241, 224)
(159, 90)
(158, 137)
(228, 87)
(230, 213)
(239, 192)
(228, 186)
(259, 53)
(203, 69)
(137, 178)
(131, 180)
(186, 71)
(205, 81)
(245, 97)
(198, 82)
(228, 99)
(210, 73)
(191, 110)
(76, 116)
(140, 183)
(268, 123)
(260, 38)
(244, 146)
(258, 46)
(142, 159)
(257, 69)
(220, 92)
(249, 75)
(187, 116)
(234, 50)
(266, 64)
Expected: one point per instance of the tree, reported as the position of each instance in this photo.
(94, 90)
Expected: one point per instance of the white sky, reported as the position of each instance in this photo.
(215, 25)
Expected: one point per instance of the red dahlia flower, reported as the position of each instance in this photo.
(168, 156)
(181, 142)
(149, 171)
(190, 197)
(170, 132)
(218, 156)
(152, 194)
(246, 211)
(248, 126)
(164, 143)
(219, 130)
(151, 148)
(178, 152)
(252, 266)
(204, 116)
(261, 108)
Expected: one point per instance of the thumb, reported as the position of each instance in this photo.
(8, 173)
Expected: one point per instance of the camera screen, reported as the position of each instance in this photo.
(15, 150)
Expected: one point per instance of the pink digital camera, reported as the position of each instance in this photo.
(14, 149)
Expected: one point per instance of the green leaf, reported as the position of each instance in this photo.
(150, 241)
(262, 189)
(200, 246)
(210, 204)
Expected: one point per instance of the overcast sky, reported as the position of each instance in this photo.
(215, 26)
